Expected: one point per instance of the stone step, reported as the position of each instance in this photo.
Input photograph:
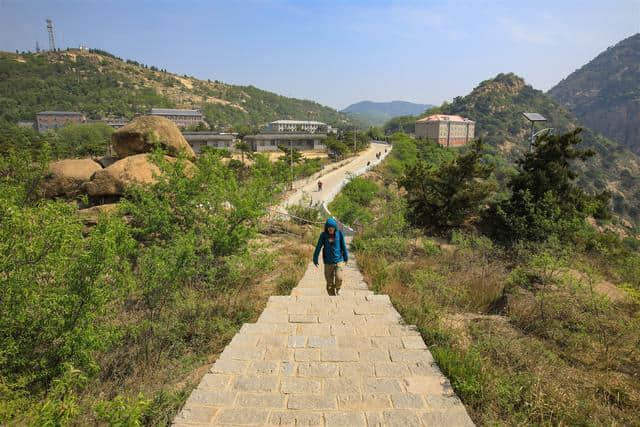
(314, 359)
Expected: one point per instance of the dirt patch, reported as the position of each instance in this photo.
(602, 287)
(185, 82)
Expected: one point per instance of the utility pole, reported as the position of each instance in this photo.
(355, 134)
(52, 42)
(291, 161)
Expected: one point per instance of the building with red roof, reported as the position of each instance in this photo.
(446, 130)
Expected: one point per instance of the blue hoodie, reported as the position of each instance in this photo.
(331, 253)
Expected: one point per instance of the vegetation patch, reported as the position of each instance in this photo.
(521, 336)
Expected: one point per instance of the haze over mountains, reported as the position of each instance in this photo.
(376, 113)
(605, 93)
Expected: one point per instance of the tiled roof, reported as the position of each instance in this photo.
(60, 113)
(444, 118)
(174, 112)
(287, 136)
(298, 122)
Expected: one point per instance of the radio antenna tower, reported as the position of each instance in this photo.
(52, 42)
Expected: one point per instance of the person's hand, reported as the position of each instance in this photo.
(316, 264)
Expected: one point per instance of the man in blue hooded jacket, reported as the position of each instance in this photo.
(334, 255)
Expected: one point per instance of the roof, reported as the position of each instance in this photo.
(298, 122)
(444, 118)
(60, 113)
(287, 136)
(207, 136)
(174, 112)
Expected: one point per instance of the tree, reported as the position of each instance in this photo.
(336, 147)
(445, 197)
(291, 154)
(544, 199)
(244, 148)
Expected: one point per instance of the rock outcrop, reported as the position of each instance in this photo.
(145, 133)
(66, 177)
(138, 169)
(91, 215)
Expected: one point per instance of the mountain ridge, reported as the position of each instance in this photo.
(376, 113)
(605, 92)
(496, 105)
(101, 84)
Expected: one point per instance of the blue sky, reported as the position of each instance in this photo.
(335, 51)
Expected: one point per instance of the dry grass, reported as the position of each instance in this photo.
(518, 367)
(523, 339)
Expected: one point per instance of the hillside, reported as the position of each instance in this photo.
(496, 106)
(376, 113)
(101, 84)
(605, 93)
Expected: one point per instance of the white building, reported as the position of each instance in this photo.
(297, 126)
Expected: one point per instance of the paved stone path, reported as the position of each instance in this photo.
(312, 359)
(331, 181)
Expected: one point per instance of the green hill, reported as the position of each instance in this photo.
(605, 93)
(101, 84)
(376, 113)
(496, 106)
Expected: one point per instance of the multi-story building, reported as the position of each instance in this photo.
(182, 118)
(199, 140)
(299, 141)
(115, 123)
(297, 126)
(55, 119)
(449, 131)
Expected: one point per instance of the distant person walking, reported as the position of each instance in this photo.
(334, 255)
(319, 185)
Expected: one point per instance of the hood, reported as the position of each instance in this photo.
(330, 223)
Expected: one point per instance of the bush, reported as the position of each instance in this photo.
(445, 197)
(304, 214)
(544, 199)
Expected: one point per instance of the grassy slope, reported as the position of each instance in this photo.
(604, 93)
(101, 84)
(526, 336)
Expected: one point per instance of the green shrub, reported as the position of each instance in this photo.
(430, 247)
(544, 199)
(122, 411)
(445, 197)
(304, 214)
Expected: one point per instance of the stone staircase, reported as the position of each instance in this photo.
(312, 359)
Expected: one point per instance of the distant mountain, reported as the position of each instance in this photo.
(376, 113)
(496, 106)
(99, 84)
(605, 93)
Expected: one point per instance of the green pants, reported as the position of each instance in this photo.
(333, 276)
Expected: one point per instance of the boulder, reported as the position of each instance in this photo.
(106, 161)
(145, 133)
(137, 169)
(91, 215)
(66, 177)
